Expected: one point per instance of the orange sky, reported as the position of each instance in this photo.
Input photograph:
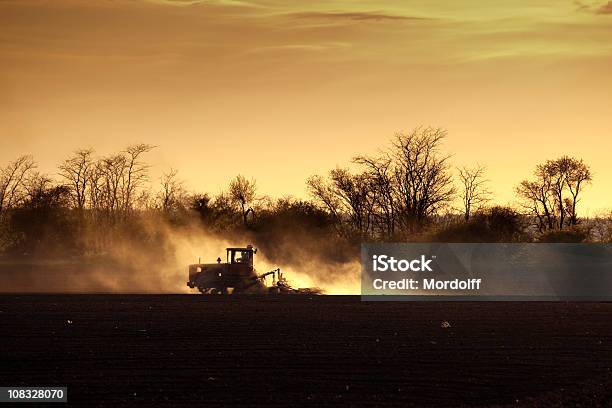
(281, 90)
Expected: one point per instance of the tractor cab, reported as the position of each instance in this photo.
(242, 256)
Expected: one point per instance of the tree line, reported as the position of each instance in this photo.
(410, 187)
(407, 191)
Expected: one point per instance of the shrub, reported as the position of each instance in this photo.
(572, 235)
(497, 224)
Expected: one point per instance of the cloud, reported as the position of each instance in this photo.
(357, 16)
(299, 47)
(289, 48)
(229, 3)
(605, 9)
(580, 6)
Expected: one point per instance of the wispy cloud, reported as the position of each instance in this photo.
(357, 16)
(299, 47)
(580, 6)
(239, 3)
(605, 9)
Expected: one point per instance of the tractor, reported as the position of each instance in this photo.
(238, 275)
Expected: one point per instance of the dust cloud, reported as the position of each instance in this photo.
(156, 259)
(300, 268)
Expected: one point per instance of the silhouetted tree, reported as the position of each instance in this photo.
(171, 197)
(474, 192)
(349, 198)
(134, 174)
(114, 185)
(404, 186)
(577, 175)
(76, 171)
(602, 228)
(242, 192)
(384, 189)
(422, 173)
(42, 223)
(12, 182)
(553, 196)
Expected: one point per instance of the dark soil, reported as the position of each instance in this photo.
(183, 350)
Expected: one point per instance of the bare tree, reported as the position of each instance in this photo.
(325, 196)
(349, 198)
(357, 197)
(172, 192)
(242, 192)
(95, 180)
(474, 192)
(76, 171)
(578, 174)
(112, 174)
(422, 173)
(401, 187)
(135, 174)
(556, 174)
(113, 184)
(12, 182)
(602, 229)
(384, 188)
(536, 198)
(36, 184)
(552, 197)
